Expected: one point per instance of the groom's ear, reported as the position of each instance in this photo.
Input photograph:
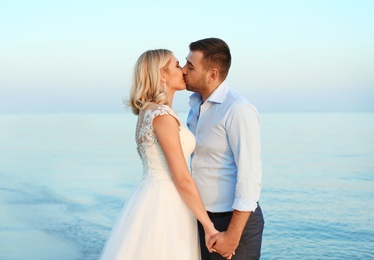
(213, 75)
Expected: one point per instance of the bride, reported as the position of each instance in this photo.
(159, 219)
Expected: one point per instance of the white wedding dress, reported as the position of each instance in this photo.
(155, 223)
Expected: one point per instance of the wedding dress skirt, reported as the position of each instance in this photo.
(155, 223)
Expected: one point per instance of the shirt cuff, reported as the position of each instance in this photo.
(242, 205)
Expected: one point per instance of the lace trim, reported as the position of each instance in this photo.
(146, 136)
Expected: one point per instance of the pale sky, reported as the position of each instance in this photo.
(287, 56)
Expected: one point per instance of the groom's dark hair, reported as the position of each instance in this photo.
(216, 53)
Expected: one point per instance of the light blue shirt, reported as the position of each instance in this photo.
(226, 163)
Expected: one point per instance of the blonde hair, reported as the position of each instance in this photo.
(146, 84)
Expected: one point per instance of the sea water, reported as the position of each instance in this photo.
(65, 177)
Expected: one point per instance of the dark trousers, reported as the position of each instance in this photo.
(250, 243)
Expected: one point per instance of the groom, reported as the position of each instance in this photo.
(226, 163)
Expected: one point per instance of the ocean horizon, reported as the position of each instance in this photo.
(65, 177)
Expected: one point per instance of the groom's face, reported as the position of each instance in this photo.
(194, 72)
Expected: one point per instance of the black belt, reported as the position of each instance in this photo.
(219, 214)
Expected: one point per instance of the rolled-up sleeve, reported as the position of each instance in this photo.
(243, 130)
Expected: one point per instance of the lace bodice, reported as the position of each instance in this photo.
(153, 159)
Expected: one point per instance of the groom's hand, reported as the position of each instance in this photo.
(223, 244)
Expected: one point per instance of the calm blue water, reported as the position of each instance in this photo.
(64, 178)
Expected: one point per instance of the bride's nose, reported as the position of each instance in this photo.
(184, 70)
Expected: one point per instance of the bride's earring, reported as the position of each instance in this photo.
(164, 86)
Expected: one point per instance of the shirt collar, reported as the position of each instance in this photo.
(195, 102)
(219, 94)
(195, 99)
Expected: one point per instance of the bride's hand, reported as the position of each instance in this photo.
(209, 234)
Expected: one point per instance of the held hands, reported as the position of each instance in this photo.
(209, 234)
(223, 244)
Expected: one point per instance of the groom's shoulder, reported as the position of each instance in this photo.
(235, 98)
(238, 102)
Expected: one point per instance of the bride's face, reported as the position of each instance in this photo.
(173, 75)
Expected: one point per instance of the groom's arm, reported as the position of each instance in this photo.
(226, 242)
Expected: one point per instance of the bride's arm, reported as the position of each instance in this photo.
(167, 131)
